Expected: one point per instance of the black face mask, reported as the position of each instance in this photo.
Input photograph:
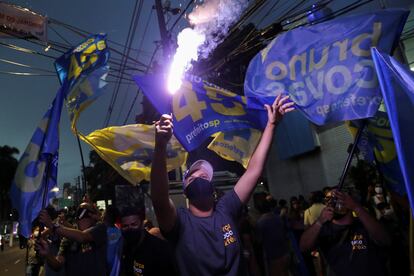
(198, 189)
(132, 236)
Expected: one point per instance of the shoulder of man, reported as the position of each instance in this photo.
(98, 233)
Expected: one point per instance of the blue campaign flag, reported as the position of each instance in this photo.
(37, 169)
(84, 93)
(326, 68)
(81, 60)
(200, 109)
(397, 87)
(377, 144)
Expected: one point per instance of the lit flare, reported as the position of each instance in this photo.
(188, 40)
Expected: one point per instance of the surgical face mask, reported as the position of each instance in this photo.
(378, 190)
(199, 189)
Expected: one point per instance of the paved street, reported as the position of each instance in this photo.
(12, 261)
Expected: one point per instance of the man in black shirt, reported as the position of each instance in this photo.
(83, 250)
(351, 246)
(143, 254)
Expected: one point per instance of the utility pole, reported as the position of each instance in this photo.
(165, 40)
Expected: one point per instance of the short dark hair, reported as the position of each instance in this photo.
(317, 197)
(133, 211)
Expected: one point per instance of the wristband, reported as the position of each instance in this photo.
(318, 223)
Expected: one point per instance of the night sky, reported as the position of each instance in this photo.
(25, 99)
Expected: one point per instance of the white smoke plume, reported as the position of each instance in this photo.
(214, 19)
(210, 23)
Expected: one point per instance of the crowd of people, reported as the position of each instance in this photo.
(331, 233)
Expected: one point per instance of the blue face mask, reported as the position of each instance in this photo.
(199, 188)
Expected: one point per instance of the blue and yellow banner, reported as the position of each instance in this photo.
(78, 62)
(236, 145)
(129, 150)
(37, 169)
(397, 87)
(84, 93)
(200, 109)
(326, 68)
(82, 71)
(377, 144)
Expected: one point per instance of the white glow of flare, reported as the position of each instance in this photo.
(188, 41)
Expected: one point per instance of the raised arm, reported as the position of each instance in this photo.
(70, 233)
(248, 181)
(309, 237)
(163, 206)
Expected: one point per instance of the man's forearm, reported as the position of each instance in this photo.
(159, 176)
(163, 206)
(248, 181)
(259, 156)
(309, 237)
(74, 234)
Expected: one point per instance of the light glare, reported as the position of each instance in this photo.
(188, 42)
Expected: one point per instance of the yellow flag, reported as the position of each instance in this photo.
(129, 150)
(237, 145)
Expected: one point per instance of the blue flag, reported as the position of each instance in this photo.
(37, 169)
(377, 144)
(81, 60)
(84, 93)
(200, 109)
(397, 86)
(326, 68)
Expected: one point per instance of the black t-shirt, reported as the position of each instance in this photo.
(349, 250)
(271, 232)
(87, 258)
(209, 245)
(152, 257)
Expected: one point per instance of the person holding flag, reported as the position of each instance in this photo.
(205, 236)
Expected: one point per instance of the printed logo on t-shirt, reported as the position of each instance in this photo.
(86, 247)
(228, 235)
(358, 242)
(138, 268)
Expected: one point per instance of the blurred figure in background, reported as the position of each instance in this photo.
(114, 239)
(313, 212)
(271, 233)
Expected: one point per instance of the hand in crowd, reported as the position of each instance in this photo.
(346, 200)
(45, 219)
(42, 247)
(326, 215)
(163, 129)
(280, 107)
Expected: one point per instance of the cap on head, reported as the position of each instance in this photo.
(203, 165)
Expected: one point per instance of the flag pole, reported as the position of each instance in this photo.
(45, 192)
(350, 155)
(46, 186)
(83, 163)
